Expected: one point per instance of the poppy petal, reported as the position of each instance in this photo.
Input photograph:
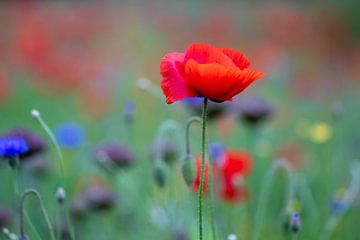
(216, 82)
(204, 53)
(237, 57)
(173, 84)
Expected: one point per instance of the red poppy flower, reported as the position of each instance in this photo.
(228, 175)
(205, 71)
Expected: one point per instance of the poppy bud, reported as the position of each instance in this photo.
(188, 170)
(295, 223)
(159, 174)
(60, 195)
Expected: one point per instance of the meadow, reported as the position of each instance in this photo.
(85, 124)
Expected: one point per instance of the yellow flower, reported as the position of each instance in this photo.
(320, 132)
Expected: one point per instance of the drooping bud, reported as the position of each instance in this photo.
(295, 223)
(159, 174)
(188, 170)
(60, 195)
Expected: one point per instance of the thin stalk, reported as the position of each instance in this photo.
(187, 133)
(36, 114)
(211, 202)
(43, 210)
(43, 124)
(203, 145)
(265, 191)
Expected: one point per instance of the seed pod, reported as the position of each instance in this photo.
(188, 170)
(159, 174)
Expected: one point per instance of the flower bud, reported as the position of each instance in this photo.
(188, 170)
(35, 113)
(60, 195)
(295, 223)
(159, 174)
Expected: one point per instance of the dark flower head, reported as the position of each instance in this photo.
(168, 151)
(181, 234)
(129, 111)
(5, 217)
(114, 155)
(214, 109)
(70, 135)
(253, 110)
(99, 198)
(36, 144)
(12, 147)
(295, 223)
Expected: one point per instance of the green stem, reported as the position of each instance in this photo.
(211, 202)
(43, 124)
(203, 144)
(265, 191)
(43, 210)
(53, 139)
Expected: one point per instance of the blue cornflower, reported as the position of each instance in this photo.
(129, 111)
(216, 151)
(12, 147)
(70, 135)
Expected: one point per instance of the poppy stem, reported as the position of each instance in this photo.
(188, 125)
(43, 210)
(203, 145)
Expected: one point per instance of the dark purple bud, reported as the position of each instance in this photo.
(168, 151)
(114, 155)
(295, 223)
(129, 112)
(253, 110)
(99, 198)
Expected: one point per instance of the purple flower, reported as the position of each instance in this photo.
(5, 217)
(253, 110)
(114, 155)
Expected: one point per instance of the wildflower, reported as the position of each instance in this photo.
(320, 132)
(114, 155)
(214, 109)
(70, 135)
(295, 223)
(129, 111)
(234, 167)
(232, 237)
(339, 203)
(99, 198)
(254, 110)
(12, 147)
(205, 71)
(35, 144)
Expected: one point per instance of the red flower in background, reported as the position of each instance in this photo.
(228, 175)
(205, 71)
(4, 86)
